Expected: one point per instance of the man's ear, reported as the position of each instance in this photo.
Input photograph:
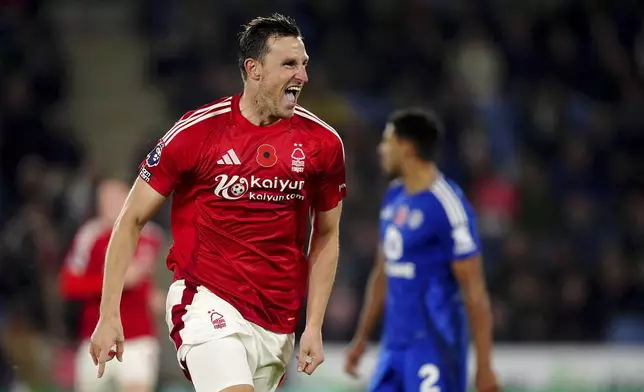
(253, 68)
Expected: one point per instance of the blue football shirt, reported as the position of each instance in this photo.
(421, 236)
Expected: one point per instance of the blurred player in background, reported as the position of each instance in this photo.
(428, 274)
(246, 173)
(82, 280)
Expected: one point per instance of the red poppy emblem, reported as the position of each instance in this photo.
(401, 216)
(266, 155)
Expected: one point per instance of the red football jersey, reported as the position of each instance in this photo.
(243, 195)
(82, 278)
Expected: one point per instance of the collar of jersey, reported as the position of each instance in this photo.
(243, 121)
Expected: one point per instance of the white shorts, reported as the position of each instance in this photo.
(218, 348)
(139, 366)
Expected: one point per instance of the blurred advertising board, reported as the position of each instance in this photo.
(520, 368)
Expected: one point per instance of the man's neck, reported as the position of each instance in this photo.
(250, 108)
(418, 176)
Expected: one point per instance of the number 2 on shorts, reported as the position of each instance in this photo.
(430, 375)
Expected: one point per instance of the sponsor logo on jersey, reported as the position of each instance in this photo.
(258, 188)
(393, 249)
(145, 174)
(400, 269)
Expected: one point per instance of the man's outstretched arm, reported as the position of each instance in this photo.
(141, 205)
(323, 262)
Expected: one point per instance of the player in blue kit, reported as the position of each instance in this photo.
(428, 274)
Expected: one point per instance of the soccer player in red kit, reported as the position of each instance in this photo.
(81, 280)
(246, 173)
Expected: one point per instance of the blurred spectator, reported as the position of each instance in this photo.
(36, 154)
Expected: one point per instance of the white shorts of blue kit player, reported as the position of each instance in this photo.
(217, 348)
(139, 367)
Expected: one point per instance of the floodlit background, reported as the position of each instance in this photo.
(544, 106)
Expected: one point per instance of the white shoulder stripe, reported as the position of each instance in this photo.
(225, 102)
(450, 202)
(310, 113)
(306, 114)
(177, 129)
(315, 118)
(199, 113)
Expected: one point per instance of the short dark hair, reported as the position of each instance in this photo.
(421, 127)
(253, 39)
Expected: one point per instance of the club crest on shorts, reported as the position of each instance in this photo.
(154, 157)
(217, 319)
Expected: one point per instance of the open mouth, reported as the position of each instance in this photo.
(292, 93)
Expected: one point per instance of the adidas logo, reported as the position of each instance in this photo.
(229, 158)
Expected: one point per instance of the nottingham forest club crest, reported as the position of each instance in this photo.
(297, 156)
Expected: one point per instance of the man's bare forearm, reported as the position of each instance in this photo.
(373, 302)
(480, 316)
(323, 262)
(120, 252)
(469, 273)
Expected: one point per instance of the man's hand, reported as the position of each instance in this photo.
(486, 380)
(353, 356)
(108, 333)
(311, 353)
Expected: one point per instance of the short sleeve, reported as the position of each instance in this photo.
(174, 155)
(464, 240)
(456, 225)
(332, 186)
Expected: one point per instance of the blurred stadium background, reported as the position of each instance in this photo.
(544, 106)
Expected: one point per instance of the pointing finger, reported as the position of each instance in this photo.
(102, 359)
(120, 348)
(94, 352)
